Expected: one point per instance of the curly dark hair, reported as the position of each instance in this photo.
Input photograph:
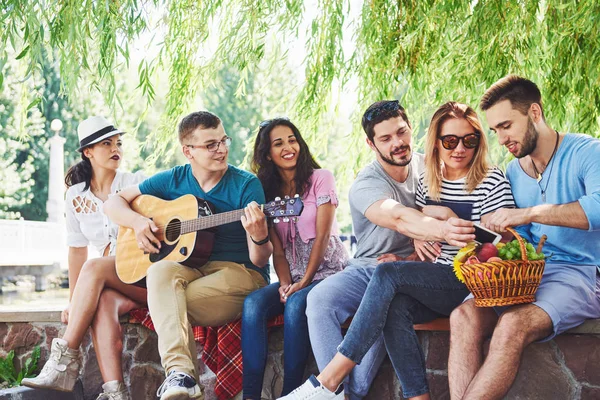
(266, 170)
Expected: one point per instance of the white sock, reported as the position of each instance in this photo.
(112, 386)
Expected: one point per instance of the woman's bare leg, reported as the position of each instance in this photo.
(106, 332)
(95, 275)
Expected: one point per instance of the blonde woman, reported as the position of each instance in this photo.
(458, 182)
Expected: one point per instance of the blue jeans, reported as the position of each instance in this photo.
(400, 295)
(329, 305)
(259, 307)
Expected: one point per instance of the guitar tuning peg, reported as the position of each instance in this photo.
(287, 197)
(282, 202)
(281, 212)
(272, 212)
(292, 201)
(296, 195)
(277, 198)
(291, 211)
(276, 221)
(286, 219)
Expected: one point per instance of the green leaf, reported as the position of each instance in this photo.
(34, 103)
(22, 53)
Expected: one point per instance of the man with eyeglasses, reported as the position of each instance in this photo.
(384, 217)
(214, 293)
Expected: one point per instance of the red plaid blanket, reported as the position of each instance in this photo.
(222, 350)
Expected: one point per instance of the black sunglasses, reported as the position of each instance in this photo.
(268, 121)
(470, 141)
(389, 106)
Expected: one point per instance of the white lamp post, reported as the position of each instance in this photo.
(55, 205)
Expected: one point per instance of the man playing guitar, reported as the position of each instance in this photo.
(211, 294)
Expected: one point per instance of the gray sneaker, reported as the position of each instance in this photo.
(313, 390)
(179, 386)
(60, 371)
(114, 390)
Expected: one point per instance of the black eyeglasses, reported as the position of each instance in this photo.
(212, 147)
(470, 141)
(268, 121)
(389, 106)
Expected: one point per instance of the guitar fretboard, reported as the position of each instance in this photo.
(210, 221)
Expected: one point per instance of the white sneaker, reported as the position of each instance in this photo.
(60, 371)
(179, 386)
(114, 390)
(313, 390)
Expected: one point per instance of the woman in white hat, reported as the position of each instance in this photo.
(98, 297)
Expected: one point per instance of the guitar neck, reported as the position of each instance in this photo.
(211, 221)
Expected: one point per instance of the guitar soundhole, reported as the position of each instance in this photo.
(173, 231)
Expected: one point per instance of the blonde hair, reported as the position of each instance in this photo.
(479, 166)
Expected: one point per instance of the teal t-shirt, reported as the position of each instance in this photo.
(236, 189)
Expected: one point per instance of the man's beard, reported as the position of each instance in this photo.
(529, 141)
(390, 159)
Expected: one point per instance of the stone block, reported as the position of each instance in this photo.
(541, 376)
(147, 351)
(25, 393)
(90, 375)
(590, 393)
(131, 342)
(144, 380)
(21, 335)
(582, 356)
(439, 388)
(275, 339)
(3, 332)
(383, 387)
(51, 333)
(437, 351)
(273, 378)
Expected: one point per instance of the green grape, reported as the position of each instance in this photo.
(514, 251)
(532, 255)
(530, 247)
(502, 253)
(509, 256)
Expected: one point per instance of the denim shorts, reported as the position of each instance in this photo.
(568, 294)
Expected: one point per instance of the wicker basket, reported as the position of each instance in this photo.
(505, 283)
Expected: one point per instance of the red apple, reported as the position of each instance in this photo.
(486, 251)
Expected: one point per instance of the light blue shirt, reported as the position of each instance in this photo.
(572, 175)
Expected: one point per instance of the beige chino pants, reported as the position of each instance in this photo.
(179, 296)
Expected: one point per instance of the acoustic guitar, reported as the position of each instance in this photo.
(186, 231)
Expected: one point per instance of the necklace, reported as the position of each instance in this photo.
(539, 175)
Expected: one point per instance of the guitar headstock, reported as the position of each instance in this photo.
(282, 209)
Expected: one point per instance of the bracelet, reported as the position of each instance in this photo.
(260, 242)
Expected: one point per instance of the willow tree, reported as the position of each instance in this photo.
(424, 52)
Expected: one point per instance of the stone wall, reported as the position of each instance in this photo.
(565, 368)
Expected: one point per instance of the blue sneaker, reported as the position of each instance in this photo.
(179, 386)
(313, 390)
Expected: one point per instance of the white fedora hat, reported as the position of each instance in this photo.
(94, 130)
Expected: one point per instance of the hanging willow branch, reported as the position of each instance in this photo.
(424, 52)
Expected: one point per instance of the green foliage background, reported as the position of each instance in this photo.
(231, 54)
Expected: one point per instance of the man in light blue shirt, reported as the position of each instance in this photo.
(555, 180)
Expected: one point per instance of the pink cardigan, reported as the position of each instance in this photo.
(322, 183)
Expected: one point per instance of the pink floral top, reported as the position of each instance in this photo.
(298, 237)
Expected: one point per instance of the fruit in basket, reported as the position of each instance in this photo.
(472, 260)
(494, 259)
(486, 251)
(512, 251)
(462, 256)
